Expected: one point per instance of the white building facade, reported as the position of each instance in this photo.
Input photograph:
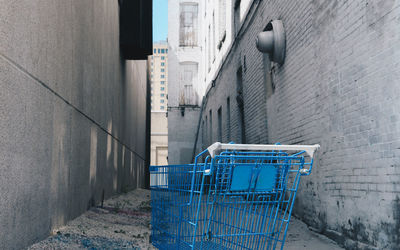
(221, 20)
(158, 65)
(184, 71)
(200, 34)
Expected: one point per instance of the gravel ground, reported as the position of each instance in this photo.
(124, 223)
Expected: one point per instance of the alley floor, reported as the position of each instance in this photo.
(124, 223)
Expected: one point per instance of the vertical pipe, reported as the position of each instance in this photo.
(197, 131)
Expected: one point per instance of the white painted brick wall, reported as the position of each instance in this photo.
(338, 87)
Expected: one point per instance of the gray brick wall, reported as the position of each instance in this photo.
(338, 87)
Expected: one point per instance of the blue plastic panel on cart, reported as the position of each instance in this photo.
(245, 176)
(267, 178)
(241, 177)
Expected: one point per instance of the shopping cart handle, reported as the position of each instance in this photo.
(217, 146)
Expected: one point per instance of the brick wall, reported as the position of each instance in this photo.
(338, 87)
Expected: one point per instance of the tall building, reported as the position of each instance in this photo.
(338, 87)
(159, 138)
(185, 83)
(74, 115)
(158, 65)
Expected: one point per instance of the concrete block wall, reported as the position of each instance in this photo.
(72, 115)
(338, 87)
(182, 134)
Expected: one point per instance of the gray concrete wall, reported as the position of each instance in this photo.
(181, 135)
(72, 115)
(338, 87)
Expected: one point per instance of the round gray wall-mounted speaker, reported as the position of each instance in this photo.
(273, 41)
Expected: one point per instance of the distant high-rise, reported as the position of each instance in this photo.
(158, 64)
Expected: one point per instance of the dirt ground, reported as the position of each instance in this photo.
(124, 223)
(299, 237)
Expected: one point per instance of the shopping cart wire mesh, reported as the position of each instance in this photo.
(240, 197)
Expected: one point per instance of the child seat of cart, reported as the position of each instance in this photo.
(239, 173)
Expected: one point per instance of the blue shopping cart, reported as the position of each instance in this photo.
(240, 197)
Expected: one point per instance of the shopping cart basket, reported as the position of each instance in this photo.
(240, 197)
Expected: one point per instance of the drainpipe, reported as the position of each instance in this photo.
(198, 128)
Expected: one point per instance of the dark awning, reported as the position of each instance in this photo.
(136, 29)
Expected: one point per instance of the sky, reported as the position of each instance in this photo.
(160, 20)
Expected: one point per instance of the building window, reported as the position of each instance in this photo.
(210, 130)
(240, 103)
(162, 100)
(158, 51)
(236, 16)
(244, 6)
(162, 95)
(162, 82)
(219, 125)
(240, 10)
(162, 51)
(155, 51)
(205, 57)
(188, 78)
(214, 44)
(206, 133)
(162, 88)
(162, 107)
(162, 70)
(188, 24)
(209, 47)
(228, 119)
(221, 20)
(162, 64)
(163, 58)
(162, 76)
(203, 134)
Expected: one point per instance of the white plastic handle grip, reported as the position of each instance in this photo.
(217, 146)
